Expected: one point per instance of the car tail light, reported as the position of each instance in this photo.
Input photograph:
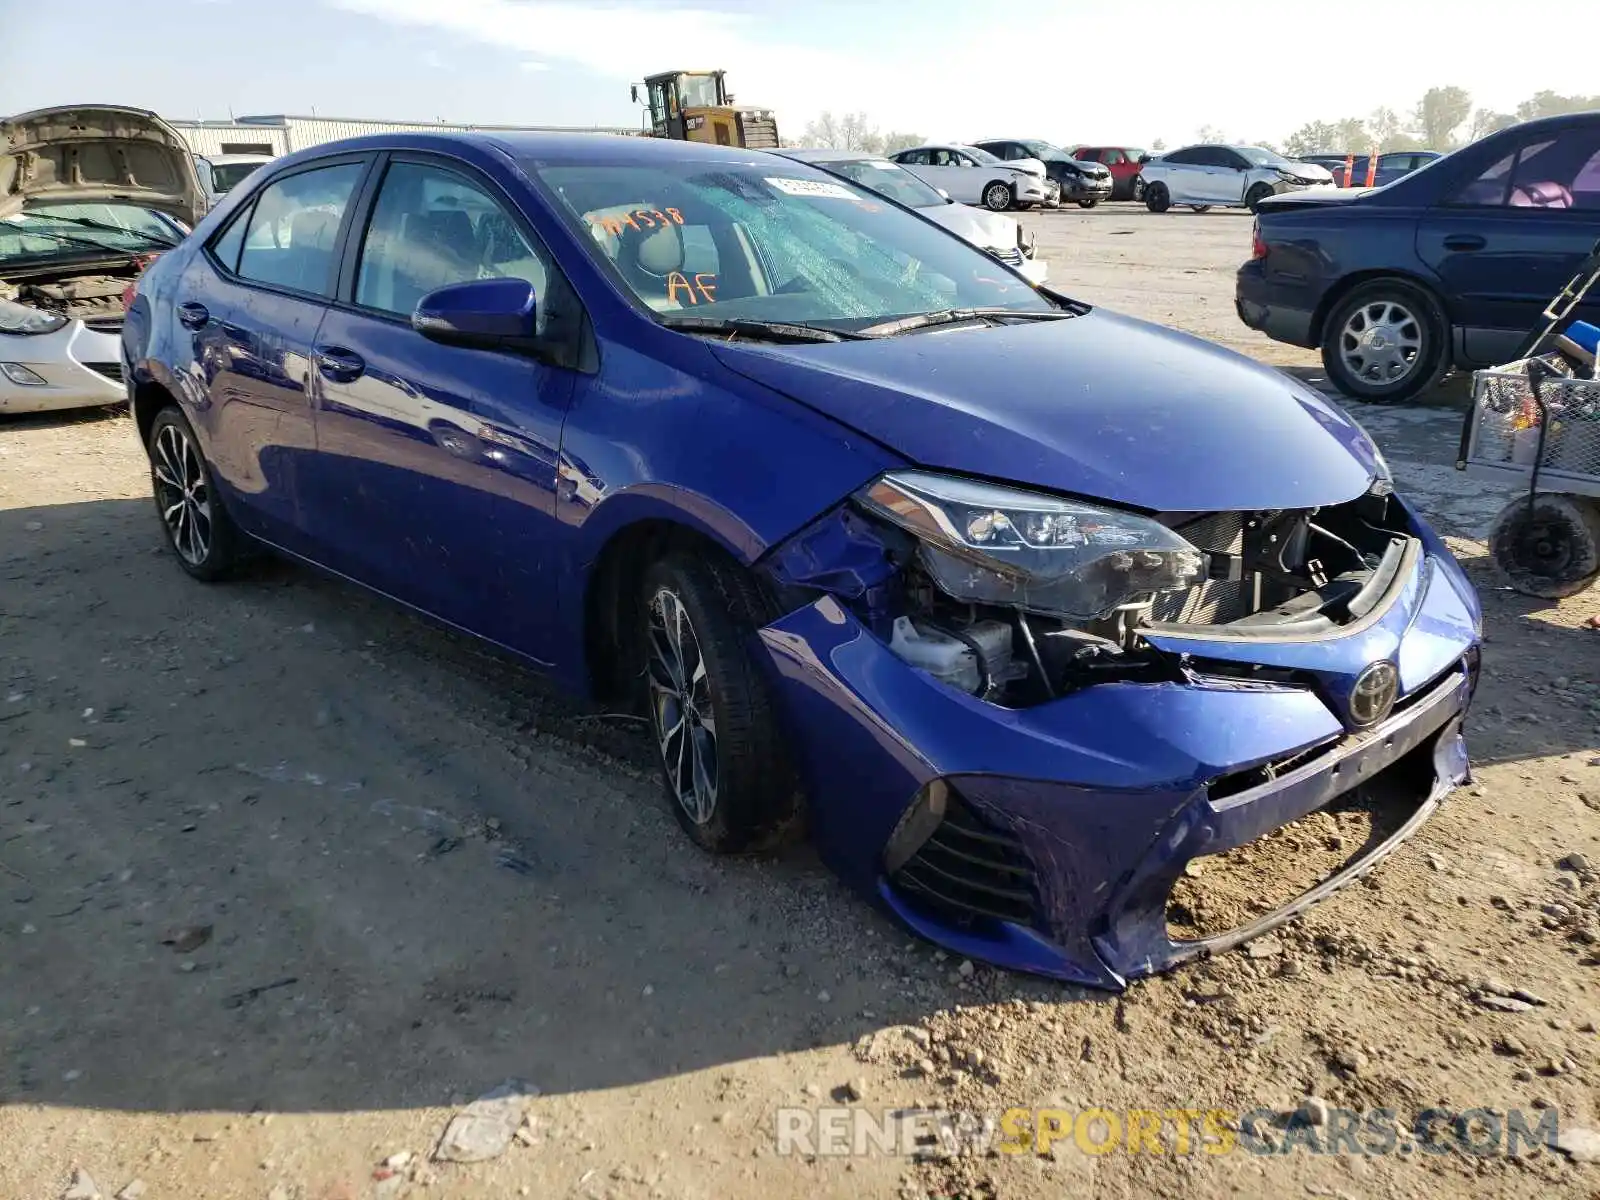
(1258, 244)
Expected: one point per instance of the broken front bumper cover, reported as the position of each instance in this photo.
(1063, 827)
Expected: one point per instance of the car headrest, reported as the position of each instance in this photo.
(658, 251)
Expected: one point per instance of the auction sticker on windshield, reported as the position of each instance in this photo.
(812, 187)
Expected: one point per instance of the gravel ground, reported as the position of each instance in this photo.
(288, 876)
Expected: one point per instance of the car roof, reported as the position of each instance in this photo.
(554, 148)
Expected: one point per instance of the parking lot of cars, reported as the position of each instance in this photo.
(344, 869)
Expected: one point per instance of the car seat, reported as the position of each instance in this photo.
(311, 237)
(1545, 194)
(647, 257)
(435, 249)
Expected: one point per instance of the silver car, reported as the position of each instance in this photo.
(993, 233)
(975, 176)
(89, 195)
(1204, 177)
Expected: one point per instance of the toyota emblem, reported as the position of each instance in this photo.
(1373, 697)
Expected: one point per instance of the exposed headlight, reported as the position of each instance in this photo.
(987, 544)
(19, 318)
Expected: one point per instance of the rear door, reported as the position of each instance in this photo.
(253, 301)
(436, 470)
(1505, 242)
(1184, 173)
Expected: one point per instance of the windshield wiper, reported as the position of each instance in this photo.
(949, 316)
(87, 223)
(770, 331)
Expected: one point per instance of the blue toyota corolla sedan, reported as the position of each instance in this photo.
(1019, 607)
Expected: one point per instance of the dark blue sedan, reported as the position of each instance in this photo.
(1017, 606)
(1450, 265)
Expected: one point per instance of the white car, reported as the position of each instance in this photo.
(221, 173)
(89, 195)
(993, 233)
(975, 176)
(1205, 177)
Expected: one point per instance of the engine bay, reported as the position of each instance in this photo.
(1298, 574)
(94, 297)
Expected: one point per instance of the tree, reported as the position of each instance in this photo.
(1157, 146)
(1551, 104)
(1486, 121)
(852, 131)
(895, 140)
(1440, 113)
(1211, 134)
(1314, 137)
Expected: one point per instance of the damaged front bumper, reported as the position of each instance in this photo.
(1049, 839)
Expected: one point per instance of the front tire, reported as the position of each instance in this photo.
(1156, 198)
(1549, 549)
(1087, 203)
(1256, 195)
(997, 197)
(1200, 208)
(724, 760)
(1385, 342)
(199, 530)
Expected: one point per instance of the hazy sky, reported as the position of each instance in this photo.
(1067, 70)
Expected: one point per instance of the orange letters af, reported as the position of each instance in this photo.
(704, 287)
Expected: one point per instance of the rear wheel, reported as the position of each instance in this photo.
(1201, 207)
(1385, 342)
(198, 528)
(1256, 195)
(997, 197)
(1136, 192)
(723, 757)
(1087, 203)
(1156, 198)
(1550, 548)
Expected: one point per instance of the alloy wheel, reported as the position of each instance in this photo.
(1381, 342)
(681, 709)
(183, 494)
(998, 198)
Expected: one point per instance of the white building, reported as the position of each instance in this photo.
(277, 135)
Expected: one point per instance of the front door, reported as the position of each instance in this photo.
(1509, 239)
(256, 298)
(436, 473)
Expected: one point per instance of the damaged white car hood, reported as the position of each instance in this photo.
(97, 153)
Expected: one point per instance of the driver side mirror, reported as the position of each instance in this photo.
(1143, 158)
(483, 314)
(633, 90)
(944, 195)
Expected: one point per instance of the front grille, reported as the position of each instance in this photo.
(111, 370)
(1011, 256)
(104, 324)
(970, 870)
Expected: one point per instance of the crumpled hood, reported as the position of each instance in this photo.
(1100, 406)
(94, 153)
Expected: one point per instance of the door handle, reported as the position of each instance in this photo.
(193, 315)
(1465, 241)
(338, 364)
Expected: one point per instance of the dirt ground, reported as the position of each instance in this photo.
(288, 876)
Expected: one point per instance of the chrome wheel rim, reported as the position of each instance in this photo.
(1381, 342)
(998, 198)
(681, 708)
(182, 494)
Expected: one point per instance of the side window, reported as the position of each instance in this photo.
(962, 160)
(430, 228)
(1112, 158)
(1011, 151)
(226, 247)
(916, 158)
(1556, 171)
(292, 229)
(1183, 158)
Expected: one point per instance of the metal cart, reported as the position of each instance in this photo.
(1535, 426)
